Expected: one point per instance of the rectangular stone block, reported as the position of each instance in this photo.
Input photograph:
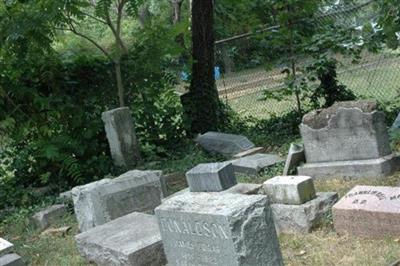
(244, 188)
(5, 246)
(305, 217)
(105, 200)
(211, 177)
(133, 239)
(218, 229)
(121, 136)
(249, 152)
(293, 190)
(225, 144)
(12, 259)
(46, 217)
(254, 164)
(369, 211)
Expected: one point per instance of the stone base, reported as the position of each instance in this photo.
(353, 169)
(303, 218)
(133, 239)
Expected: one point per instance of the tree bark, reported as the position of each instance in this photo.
(203, 105)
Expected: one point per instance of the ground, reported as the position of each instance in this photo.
(321, 247)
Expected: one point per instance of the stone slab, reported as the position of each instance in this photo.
(344, 132)
(66, 196)
(105, 200)
(249, 152)
(244, 188)
(369, 211)
(218, 229)
(133, 239)
(293, 190)
(211, 177)
(303, 218)
(5, 246)
(121, 135)
(396, 123)
(225, 144)
(295, 157)
(374, 168)
(12, 259)
(44, 218)
(254, 164)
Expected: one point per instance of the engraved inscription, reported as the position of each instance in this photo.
(198, 228)
(379, 195)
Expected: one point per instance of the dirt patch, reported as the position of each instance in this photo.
(319, 119)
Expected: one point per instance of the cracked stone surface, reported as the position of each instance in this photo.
(133, 239)
(218, 229)
(105, 200)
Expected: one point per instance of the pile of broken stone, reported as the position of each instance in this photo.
(131, 219)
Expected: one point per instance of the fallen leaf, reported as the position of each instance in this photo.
(56, 231)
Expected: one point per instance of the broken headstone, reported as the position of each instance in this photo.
(254, 164)
(295, 157)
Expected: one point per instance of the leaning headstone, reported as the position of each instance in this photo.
(12, 259)
(225, 144)
(46, 217)
(211, 177)
(305, 217)
(293, 190)
(121, 136)
(369, 211)
(5, 246)
(105, 200)
(133, 239)
(295, 157)
(218, 229)
(395, 129)
(254, 164)
(349, 139)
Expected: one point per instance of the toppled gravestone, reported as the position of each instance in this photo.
(218, 229)
(105, 200)
(11, 259)
(49, 215)
(254, 164)
(211, 177)
(121, 136)
(295, 157)
(225, 144)
(348, 139)
(5, 246)
(252, 151)
(133, 239)
(368, 211)
(295, 206)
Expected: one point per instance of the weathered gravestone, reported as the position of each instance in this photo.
(5, 246)
(205, 229)
(133, 239)
(369, 211)
(349, 139)
(11, 259)
(105, 200)
(49, 215)
(254, 164)
(295, 157)
(211, 177)
(225, 144)
(295, 205)
(252, 151)
(121, 137)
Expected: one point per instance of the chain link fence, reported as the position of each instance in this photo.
(247, 70)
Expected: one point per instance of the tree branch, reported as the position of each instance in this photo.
(94, 18)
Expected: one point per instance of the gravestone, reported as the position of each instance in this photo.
(249, 152)
(121, 136)
(211, 177)
(225, 144)
(5, 246)
(305, 217)
(133, 239)
(105, 200)
(254, 164)
(369, 211)
(395, 129)
(349, 139)
(218, 229)
(11, 259)
(293, 190)
(295, 157)
(49, 215)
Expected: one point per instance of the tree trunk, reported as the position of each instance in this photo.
(204, 108)
(120, 85)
